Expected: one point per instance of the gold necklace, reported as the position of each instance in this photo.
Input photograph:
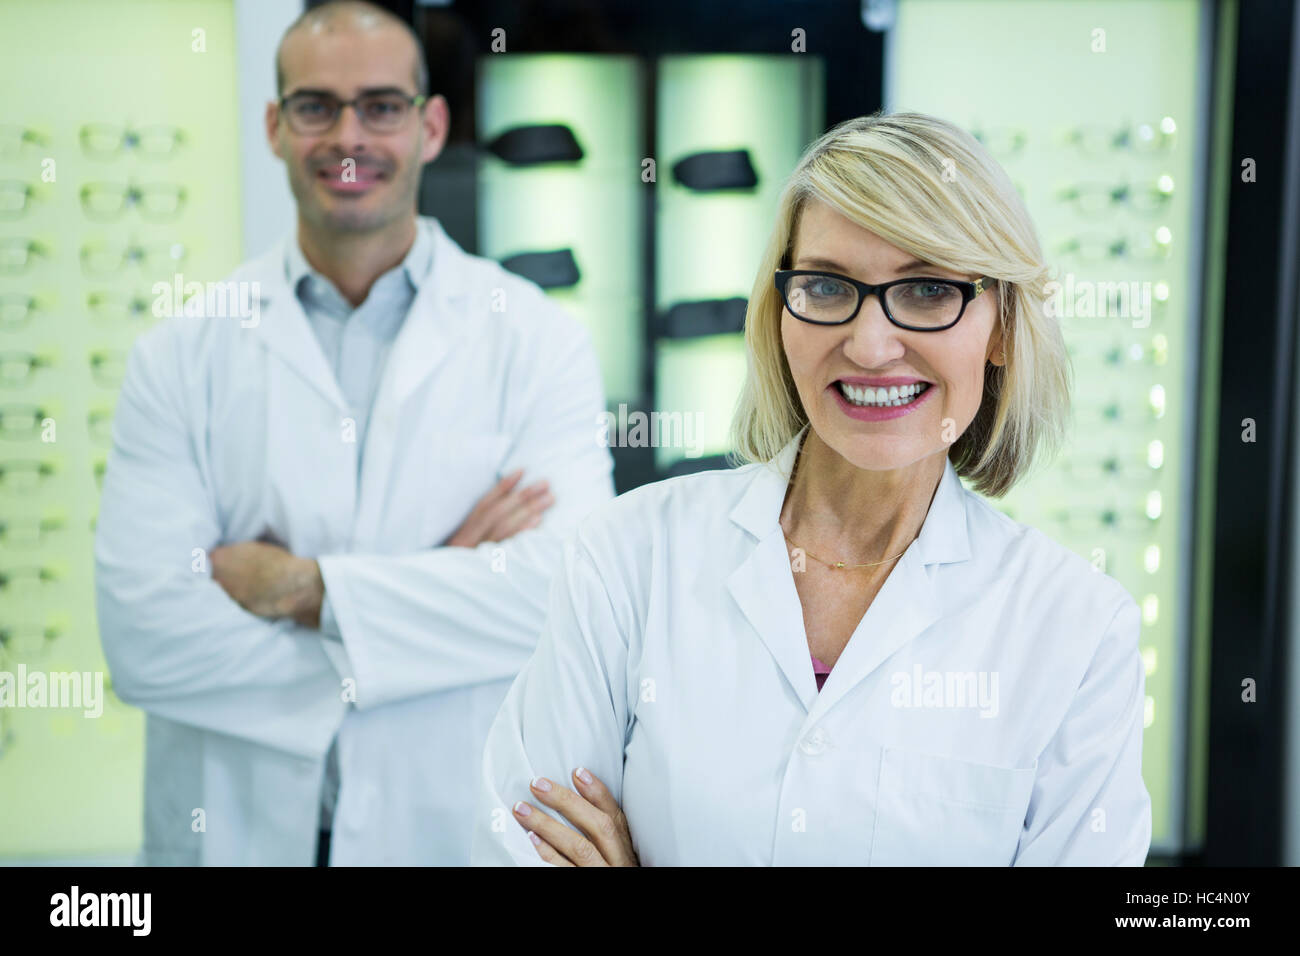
(836, 565)
(840, 565)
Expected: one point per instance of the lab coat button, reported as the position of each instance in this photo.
(814, 742)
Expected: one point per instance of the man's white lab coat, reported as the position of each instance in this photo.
(226, 433)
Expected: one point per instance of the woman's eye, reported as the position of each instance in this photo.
(930, 291)
(826, 288)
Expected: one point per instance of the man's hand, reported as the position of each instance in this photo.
(269, 581)
(503, 512)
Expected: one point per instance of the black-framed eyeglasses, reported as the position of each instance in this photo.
(380, 111)
(916, 304)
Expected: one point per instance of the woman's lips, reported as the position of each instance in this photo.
(864, 413)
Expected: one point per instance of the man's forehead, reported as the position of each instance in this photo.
(348, 61)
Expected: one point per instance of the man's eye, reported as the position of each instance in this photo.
(310, 107)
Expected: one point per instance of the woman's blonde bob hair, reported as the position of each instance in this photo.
(928, 187)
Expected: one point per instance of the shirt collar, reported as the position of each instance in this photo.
(943, 536)
(416, 266)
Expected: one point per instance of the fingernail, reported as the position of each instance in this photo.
(537, 841)
(523, 809)
(583, 775)
(541, 784)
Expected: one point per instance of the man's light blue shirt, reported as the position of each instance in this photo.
(356, 343)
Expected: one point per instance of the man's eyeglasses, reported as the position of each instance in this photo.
(380, 111)
(918, 305)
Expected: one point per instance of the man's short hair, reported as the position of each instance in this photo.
(333, 10)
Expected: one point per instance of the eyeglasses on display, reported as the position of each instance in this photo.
(156, 202)
(1151, 246)
(1092, 199)
(17, 309)
(14, 139)
(27, 642)
(17, 368)
(21, 422)
(108, 141)
(17, 256)
(28, 532)
(24, 476)
(16, 198)
(1096, 140)
(109, 305)
(1002, 142)
(101, 258)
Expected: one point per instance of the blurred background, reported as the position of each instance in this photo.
(1156, 143)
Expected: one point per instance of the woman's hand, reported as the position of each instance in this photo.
(593, 810)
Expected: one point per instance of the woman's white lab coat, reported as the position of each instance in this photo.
(230, 431)
(988, 709)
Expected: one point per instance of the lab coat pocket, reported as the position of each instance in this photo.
(459, 469)
(940, 811)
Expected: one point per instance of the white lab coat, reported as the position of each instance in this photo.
(674, 665)
(225, 434)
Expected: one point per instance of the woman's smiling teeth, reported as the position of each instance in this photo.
(882, 397)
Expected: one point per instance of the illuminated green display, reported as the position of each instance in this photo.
(709, 243)
(96, 92)
(1094, 115)
(591, 206)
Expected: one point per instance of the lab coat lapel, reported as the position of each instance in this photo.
(284, 328)
(906, 604)
(763, 588)
(763, 585)
(420, 345)
(903, 608)
(440, 312)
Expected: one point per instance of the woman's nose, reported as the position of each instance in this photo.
(873, 341)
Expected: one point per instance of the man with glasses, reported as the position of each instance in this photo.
(311, 572)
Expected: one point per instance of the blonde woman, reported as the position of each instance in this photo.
(836, 654)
